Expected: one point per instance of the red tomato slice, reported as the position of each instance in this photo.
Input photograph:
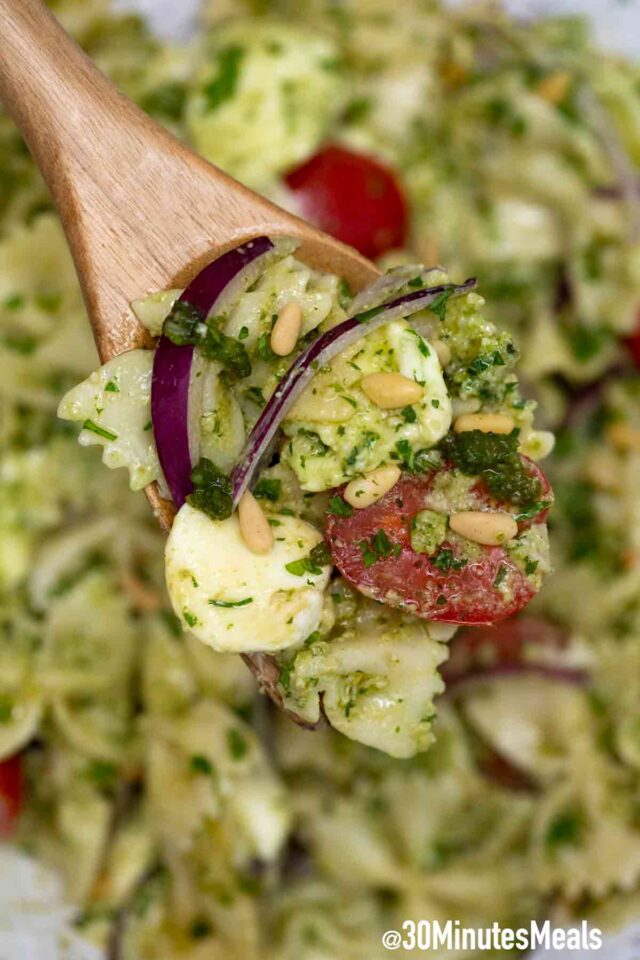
(484, 590)
(472, 652)
(632, 343)
(11, 789)
(354, 198)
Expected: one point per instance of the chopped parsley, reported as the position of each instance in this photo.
(112, 387)
(103, 774)
(189, 618)
(565, 830)
(264, 347)
(227, 604)
(224, 83)
(200, 928)
(439, 305)
(417, 461)
(212, 491)
(318, 558)
(500, 575)
(422, 346)
(100, 431)
(255, 394)
(378, 548)
(445, 560)
(340, 507)
(367, 315)
(409, 414)
(201, 764)
(268, 488)
(537, 507)
(238, 747)
(14, 302)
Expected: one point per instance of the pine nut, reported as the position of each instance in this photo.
(443, 351)
(286, 329)
(554, 87)
(624, 437)
(486, 422)
(390, 390)
(254, 526)
(372, 487)
(491, 529)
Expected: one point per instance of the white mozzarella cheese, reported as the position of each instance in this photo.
(235, 600)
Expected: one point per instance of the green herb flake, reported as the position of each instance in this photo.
(238, 746)
(228, 604)
(500, 575)
(268, 488)
(189, 618)
(200, 928)
(201, 765)
(439, 305)
(100, 431)
(14, 302)
(409, 414)
(264, 347)
(224, 83)
(112, 387)
(367, 315)
(446, 560)
(312, 564)
(340, 507)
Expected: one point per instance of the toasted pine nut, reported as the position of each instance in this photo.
(443, 351)
(389, 390)
(486, 422)
(372, 487)
(491, 529)
(554, 87)
(254, 526)
(624, 436)
(286, 329)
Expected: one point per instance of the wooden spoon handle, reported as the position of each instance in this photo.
(56, 96)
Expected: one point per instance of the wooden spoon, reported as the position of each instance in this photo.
(141, 211)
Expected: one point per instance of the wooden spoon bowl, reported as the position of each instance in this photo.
(141, 212)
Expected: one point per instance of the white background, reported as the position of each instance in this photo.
(33, 918)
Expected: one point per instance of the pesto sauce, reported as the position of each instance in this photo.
(495, 458)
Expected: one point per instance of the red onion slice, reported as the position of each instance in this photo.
(174, 407)
(316, 355)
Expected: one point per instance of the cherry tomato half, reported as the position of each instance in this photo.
(482, 589)
(473, 651)
(11, 789)
(352, 197)
(632, 343)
